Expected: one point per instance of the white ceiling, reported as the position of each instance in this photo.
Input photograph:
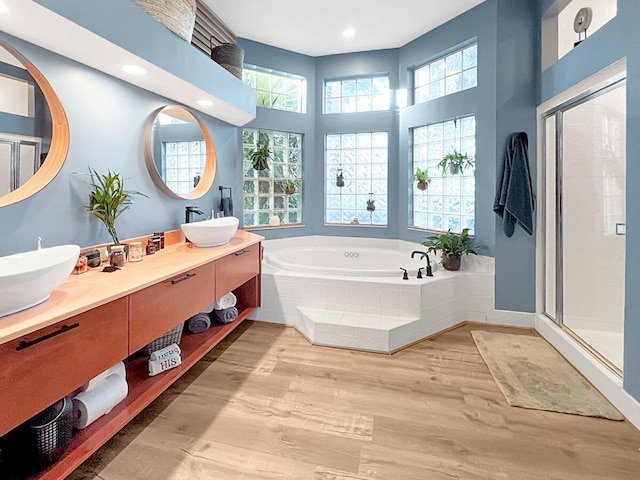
(315, 28)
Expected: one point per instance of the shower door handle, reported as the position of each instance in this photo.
(621, 228)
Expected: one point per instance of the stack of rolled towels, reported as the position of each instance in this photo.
(164, 359)
(224, 310)
(100, 395)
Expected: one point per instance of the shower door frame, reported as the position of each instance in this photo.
(617, 81)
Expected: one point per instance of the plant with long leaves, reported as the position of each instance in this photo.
(260, 157)
(451, 244)
(109, 199)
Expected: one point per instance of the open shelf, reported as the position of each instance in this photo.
(143, 389)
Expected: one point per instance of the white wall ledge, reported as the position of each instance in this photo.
(106, 35)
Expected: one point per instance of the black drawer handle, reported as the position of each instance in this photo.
(182, 279)
(241, 252)
(65, 328)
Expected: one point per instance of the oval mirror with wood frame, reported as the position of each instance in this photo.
(179, 152)
(34, 133)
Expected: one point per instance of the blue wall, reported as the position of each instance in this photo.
(107, 118)
(615, 40)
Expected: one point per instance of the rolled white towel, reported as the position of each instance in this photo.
(90, 405)
(208, 309)
(117, 369)
(226, 301)
(166, 363)
(165, 352)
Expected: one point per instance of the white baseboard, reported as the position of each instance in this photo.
(512, 319)
(609, 384)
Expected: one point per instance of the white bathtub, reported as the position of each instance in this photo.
(384, 260)
(359, 300)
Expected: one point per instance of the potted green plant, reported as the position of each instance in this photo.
(109, 199)
(422, 177)
(455, 162)
(371, 205)
(290, 184)
(260, 157)
(451, 246)
(339, 179)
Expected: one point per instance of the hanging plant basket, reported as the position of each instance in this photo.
(422, 186)
(454, 169)
(340, 179)
(290, 190)
(371, 206)
(260, 157)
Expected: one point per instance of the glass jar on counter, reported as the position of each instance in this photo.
(135, 251)
(117, 256)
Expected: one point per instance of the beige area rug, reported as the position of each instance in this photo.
(532, 374)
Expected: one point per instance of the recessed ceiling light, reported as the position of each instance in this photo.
(204, 103)
(348, 32)
(133, 69)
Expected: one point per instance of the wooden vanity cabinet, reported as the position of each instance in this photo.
(237, 268)
(155, 310)
(40, 368)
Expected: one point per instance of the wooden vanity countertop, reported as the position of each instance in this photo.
(80, 293)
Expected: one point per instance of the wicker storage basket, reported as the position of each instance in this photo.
(172, 336)
(178, 16)
(230, 56)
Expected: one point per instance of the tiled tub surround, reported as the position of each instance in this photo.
(330, 305)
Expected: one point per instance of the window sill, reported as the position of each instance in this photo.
(273, 227)
(435, 232)
(354, 225)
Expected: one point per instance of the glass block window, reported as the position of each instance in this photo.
(449, 201)
(263, 192)
(275, 89)
(450, 74)
(367, 94)
(183, 164)
(362, 159)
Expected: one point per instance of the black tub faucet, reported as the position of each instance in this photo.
(424, 255)
(188, 211)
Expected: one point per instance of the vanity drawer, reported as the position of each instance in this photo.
(157, 309)
(237, 268)
(40, 368)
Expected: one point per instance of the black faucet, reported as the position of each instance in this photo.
(428, 268)
(190, 210)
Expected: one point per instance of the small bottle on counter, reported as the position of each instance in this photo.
(151, 248)
(93, 258)
(135, 251)
(117, 257)
(160, 235)
(81, 265)
(157, 242)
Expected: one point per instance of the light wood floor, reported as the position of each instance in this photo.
(267, 405)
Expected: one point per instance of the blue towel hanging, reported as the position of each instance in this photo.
(515, 201)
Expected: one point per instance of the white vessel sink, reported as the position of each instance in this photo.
(210, 233)
(27, 279)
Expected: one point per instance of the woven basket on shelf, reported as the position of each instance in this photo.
(178, 16)
(172, 336)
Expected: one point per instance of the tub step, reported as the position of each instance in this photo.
(360, 331)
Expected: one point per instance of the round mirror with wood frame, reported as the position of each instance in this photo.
(34, 132)
(179, 152)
